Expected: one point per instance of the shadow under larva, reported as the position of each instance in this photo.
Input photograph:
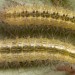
(36, 36)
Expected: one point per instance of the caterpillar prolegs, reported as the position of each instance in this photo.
(44, 35)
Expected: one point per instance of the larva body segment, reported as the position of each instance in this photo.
(44, 15)
(20, 51)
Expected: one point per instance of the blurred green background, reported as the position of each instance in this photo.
(64, 3)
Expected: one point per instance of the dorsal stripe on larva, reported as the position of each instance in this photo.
(22, 11)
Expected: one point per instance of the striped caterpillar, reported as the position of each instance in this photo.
(32, 49)
(36, 22)
(31, 15)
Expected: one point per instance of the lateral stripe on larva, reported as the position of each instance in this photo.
(32, 56)
(29, 49)
(43, 11)
(20, 9)
(40, 21)
(44, 14)
(10, 50)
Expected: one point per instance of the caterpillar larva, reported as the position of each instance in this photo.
(41, 24)
(44, 15)
(31, 49)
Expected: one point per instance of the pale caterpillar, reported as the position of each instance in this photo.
(24, 15)
(20, 18)
(31, 49)
(36, 23)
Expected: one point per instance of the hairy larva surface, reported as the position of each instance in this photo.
(44, 15)
(21, 50)
(37, 16)
(45, 35)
